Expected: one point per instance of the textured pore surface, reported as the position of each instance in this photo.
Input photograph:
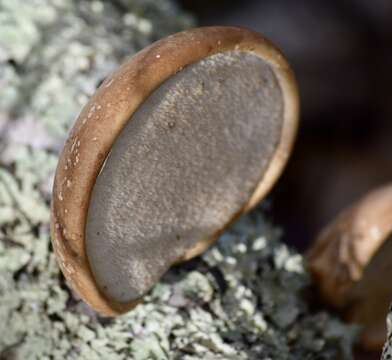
(184, 165)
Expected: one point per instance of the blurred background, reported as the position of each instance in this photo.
(342, 55)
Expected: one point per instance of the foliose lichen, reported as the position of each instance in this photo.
(243, 299)
(387, 351)
(54, 53)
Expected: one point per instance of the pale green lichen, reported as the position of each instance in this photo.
(387, 350)
(240, 300)
(61, 50)
(243, 299)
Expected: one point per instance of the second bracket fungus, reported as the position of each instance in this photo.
(350, 261)
(183, 138)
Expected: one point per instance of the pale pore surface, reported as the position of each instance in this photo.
(184, 165)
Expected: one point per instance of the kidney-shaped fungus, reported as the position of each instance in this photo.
(184, 137)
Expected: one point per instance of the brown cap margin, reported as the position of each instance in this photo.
(106, 114)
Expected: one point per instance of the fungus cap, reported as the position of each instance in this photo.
(184, 137)
(351, 264)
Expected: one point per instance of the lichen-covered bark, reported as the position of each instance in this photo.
(241, 300)
(387, 351)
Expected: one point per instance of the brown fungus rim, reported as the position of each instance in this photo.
(107, 113)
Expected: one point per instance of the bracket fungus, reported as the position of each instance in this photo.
(351, 263)
(178, 142)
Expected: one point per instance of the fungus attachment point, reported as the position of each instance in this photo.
(199, 127)
(351, 261)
